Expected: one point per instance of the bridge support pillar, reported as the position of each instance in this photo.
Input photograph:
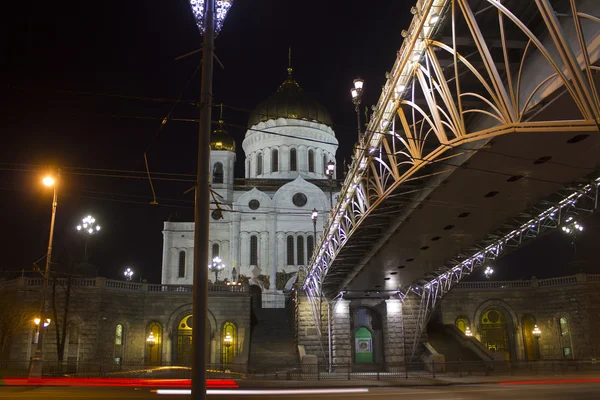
(393, 333)
(340, 327)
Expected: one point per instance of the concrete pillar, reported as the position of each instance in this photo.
(281, 250)
(393, 332)
(263, 254)
(245, 251)
(272, 224)
(341, 335)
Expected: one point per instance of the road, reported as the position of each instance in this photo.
(570, 391)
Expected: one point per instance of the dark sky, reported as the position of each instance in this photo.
(61, 59)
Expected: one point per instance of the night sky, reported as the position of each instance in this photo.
(87, 84)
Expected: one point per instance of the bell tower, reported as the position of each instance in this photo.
(222, 160)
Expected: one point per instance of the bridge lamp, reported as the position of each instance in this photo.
(537, 333)
(128, 274)
(468, 332)
(356, 93)
(221, 9)
(314, 215)
(488, 272)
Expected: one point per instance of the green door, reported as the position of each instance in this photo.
(363, 345)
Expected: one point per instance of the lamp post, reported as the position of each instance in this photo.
(209, 20)
(88, 228)
(216, 266)
(37, 321)
(314, 215)
(537, 334)
(488, 272)
(36, 362)
(468, 332)
(329, 172)
(128, 274)
(151, 341)
(356, 93)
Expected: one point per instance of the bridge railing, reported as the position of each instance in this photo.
(530, 284)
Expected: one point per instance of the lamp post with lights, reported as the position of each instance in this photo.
(356, 93)
(88, 228)
(36, 362)
(329, 172)
(209, 16)
(488, 272)
(128, 274)
(216, 266)
(227, 341)
(468, 332)
(537, 334)
(314, 215)
(151, 341)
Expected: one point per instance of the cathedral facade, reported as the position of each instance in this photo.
(261, 226)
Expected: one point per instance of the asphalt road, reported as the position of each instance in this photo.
(570, 391)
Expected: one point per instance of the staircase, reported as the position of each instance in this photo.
(272, 342)
(444, 343)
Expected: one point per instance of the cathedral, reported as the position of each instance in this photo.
(261, 227)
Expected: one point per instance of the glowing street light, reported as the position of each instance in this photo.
(88, 228)
(128, 274)
(468, 332)
(329, 172)
(356, 93)
(537, 333)
(35, 370)
(216, 266)
(314, 215)
(488, 272)
(572, 227)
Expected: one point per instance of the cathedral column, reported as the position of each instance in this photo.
(263, 254)
(267, 161)
(272, 226)
(281, 261)
(302, 158)
(235, 242)
(245, 256)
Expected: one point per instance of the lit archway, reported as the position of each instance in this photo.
(229, 342)
(462, 324)
(494, 332)
(529, 342)
(154, 349)
(184, 340)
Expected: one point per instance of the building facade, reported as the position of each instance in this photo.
(261, 225)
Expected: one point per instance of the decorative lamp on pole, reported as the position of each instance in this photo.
(228, 341)
(150, 341)
(216, 266)
(329, 172)
(356, 93)
(314, 215)
(537, 334)
(209, 16)
(35, 370)
(128, 274)
(488, 272)
(37, 321)
(468, 332)
(88, 228)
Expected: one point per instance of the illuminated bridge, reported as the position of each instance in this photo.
(486, 134)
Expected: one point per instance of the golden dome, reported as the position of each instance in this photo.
(220, 140)
(290, 101)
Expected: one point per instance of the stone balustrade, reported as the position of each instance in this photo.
(529, 284)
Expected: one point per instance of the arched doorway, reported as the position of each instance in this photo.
(184, 340)
(154, 350)
(494, 332)
(462, 324)
(531, 351)
(229, 341)
(367, 344)
(256, 296)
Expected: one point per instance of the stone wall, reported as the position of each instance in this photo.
(96, 311)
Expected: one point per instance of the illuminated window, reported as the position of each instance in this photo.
(119, 335)
(311, 161)
(259, 164)
(564, 327)
(461, 323)
(275, 160)
(182, 264)
(310, 245)
(218, 173)
(215, 250)
(300, 245)
(292, 159)
(290, 250)
(253, 250)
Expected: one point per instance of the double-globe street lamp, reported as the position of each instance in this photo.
(314, 215)
(87, 228)
(217, 265)
(35, 370)
(209, 16)
(329, 172)
(356, 93)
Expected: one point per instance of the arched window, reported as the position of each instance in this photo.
(217, 173)
(259, 164)
(215, 250)
(311, 161)
(290, 250)
(119, 335)
(293, 160)
(324, 163)
(300, 250)
(564, 326)
(182, 264)
(253, 250)
(274, 160)
(154, 350)
(462, 324)
(229, 341)
(310, 246)
(74, 333)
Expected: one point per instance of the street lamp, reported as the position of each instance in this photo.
(209, 16)
(468, 332)
(488, 272)
(314, 215)
(537, 333)
(216, 266)
(37, 321)
(151, 341)
(356, 93)
(36, 362)
(88, 228)
(329, 172)
(128, 274)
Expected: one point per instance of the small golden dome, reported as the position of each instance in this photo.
(220, 140)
